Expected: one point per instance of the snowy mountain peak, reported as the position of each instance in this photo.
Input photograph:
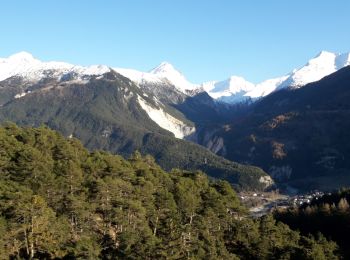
(325, 54)
(237, 89)
(164, 67)
(23, 64)
(233, 86)
(323, 57)
(322, 65)
(166, 71)
(238, 84)
(22, 56)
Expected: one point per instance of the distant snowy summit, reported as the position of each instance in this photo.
(165, 73)
(233, 90)
(236, 89)
(323, 64)
(24, 65)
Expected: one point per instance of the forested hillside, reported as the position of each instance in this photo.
(105, 113)
(57, 200)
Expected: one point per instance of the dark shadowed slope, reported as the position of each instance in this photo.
(299, 136)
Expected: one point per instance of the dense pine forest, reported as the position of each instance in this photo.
(60, 201)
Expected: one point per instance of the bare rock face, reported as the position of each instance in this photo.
(267, 180)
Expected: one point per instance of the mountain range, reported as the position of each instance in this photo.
(232, 90)
(106, 110)
(123, 110)
(236, 89)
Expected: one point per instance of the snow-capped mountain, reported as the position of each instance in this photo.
(166, 82)
(31, 71)
(322, 65)
(231, 90)
(24, 65)
(236, 89)
(165, 73)
(264, 88)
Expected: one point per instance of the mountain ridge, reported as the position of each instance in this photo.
(232, 90)
(25, 65)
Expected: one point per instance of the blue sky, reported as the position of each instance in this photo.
(204, 39)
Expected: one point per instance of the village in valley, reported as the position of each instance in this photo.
(262, 203)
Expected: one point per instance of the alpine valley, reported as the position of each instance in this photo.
(292, 128)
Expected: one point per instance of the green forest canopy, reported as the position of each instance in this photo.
(57, 200)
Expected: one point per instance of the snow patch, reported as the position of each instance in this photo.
(22, 94)
(166, 121)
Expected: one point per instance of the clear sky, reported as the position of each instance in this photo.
(204, 39)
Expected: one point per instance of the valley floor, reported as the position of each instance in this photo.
(260, 204)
